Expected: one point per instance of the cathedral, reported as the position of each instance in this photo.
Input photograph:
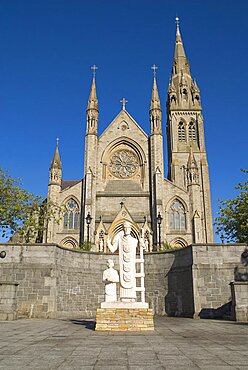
(124, 174)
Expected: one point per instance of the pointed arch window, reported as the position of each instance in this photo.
(71, 215)
(185, 94)
(181, 132)
(177, 216)
(173, 98)
(192, 131)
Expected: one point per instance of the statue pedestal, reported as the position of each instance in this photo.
(120, 304)
(120, 316)
(239, 290)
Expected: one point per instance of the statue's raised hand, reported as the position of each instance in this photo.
(142, 243)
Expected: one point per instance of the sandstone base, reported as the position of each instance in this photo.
(126, 319)
(122, 305)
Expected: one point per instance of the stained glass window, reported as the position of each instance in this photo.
(177, 216)
(71, 215)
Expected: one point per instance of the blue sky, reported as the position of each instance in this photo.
(48, 46)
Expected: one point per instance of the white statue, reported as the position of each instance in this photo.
(110, 278)
(101, 245)
(127, 257)
(146, 245)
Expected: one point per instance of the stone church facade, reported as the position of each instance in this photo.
(124, 173)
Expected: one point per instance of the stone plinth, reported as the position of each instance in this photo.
(8, 300)
(120, 304)
(124, 319)
(239, 290)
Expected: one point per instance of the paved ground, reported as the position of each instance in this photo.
(176, 344)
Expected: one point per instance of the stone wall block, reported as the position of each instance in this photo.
(55, 282)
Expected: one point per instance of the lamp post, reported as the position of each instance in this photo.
(88, 221)
(222, 238)
(159, 220)
(2, 254)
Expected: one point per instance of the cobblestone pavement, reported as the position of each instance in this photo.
(176, 344)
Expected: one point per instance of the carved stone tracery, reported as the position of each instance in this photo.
(123, 164)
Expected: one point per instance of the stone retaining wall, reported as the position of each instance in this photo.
(56, 282)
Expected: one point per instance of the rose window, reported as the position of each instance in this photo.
(123, 164)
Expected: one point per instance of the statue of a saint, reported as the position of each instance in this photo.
(101, 245)
(127, 257)
(146, 245)
(110, 278)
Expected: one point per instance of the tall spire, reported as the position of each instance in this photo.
(92, 108)
(180, 59)
(55, 170)
(183, 92)
(56, 162)
(155, 107)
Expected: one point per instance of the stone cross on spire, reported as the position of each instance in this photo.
(177, 23)
(124, 102)
(94, 68)
(154, 67)
(57, 141)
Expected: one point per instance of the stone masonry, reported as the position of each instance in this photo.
(239, 291)
(117, 319)
(55, 282)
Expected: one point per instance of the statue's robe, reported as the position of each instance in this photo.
(110, 278)
(127, 258)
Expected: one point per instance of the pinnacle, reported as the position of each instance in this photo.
(155, 101)
(191, 161)
(93, 102)
(56, 162)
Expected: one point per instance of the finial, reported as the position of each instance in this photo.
(154, 67)
(124, 102)
(57, 141)
(94, 68)
(177, 23)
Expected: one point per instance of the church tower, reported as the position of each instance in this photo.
(54, 188)
(90, 161)
(187, 160)
(156, 156)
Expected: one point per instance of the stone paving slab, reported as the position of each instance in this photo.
(176, 344)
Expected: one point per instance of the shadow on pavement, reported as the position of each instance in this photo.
(243, 323)
(88, 324)
(222, 312)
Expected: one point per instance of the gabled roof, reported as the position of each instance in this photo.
(68, 183)
(125, 112)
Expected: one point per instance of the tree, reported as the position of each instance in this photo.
(232, 217)
(21, 212)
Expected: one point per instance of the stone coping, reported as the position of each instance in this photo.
(5, 245)
(127, 305)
